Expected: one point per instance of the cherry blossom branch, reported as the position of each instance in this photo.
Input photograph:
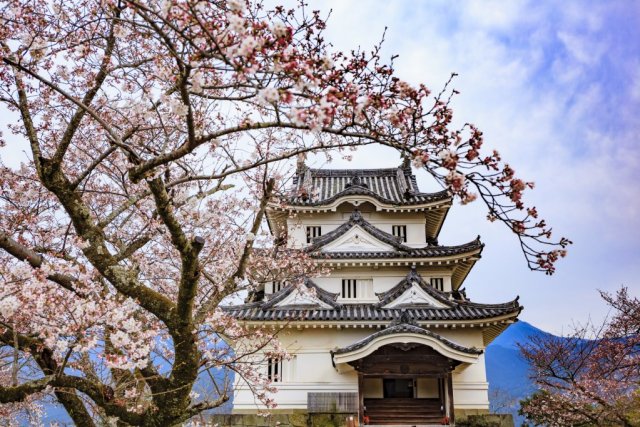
(42, 355)
(101, 76)
(240, 271)
(35, 260)
(115, 139)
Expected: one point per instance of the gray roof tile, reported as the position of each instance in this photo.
(457, 310)
(402, 251)
(396, 186)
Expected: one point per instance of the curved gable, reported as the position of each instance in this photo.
(405, 334)
(357, 239)
(415, 294)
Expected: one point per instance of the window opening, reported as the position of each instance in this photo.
(313, 231)
(400, 231)
(349, 287)
(274, 370)
(438, 283)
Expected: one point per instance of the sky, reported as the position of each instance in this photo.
(555, 87)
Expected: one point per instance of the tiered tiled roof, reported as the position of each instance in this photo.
(356, 219)
(402, 251)
(368, 312)
(324, 296)
(456, 310)
(427, 252)
(394, 186)
(405, 284)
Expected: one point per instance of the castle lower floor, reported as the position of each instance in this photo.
(407, 380)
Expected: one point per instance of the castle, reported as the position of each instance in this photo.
(389, 335)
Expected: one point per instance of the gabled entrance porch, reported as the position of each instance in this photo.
(405, 385)
(404, 375)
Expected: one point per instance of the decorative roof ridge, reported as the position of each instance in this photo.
(323, 295)
(509, 304)
(363, 191)
(352, 172)
(406, 327)
(407, 251)
(369, 312)
(398, 187)
(406, 283)
(357, 219)
(244, 305)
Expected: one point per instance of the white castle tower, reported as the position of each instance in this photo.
(388, 336)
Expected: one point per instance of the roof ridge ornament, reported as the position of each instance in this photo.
(300, 163)
(413, 274)
(356, 181)
(403, 185)
(403, 319)
(406, 162)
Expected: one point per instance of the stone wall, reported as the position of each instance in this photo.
(338, 420)
(281, 420)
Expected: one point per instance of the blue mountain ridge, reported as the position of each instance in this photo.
(507, 373)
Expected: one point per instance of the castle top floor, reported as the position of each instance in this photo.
(325, 197)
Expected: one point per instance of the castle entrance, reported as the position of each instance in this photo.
(405, 384)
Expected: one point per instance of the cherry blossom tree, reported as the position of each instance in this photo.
(591, 377)
(158, 134)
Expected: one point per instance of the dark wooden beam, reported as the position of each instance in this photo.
(443, 408)
(452, 417)
(361, 398)
(389, 375)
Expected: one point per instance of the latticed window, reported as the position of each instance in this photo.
(400, 231)
(438, 283)
(274, 370)
(278, 285)
(313, 231)
(349, 287)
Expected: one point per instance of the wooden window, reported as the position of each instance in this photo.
(353, 289)
(349, 287)
(438, 283)
(278, 285)
(313, 231)
(274, 370)
(400, 231)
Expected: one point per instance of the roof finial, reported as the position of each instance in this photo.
(406, 161)
(300, 165)
(413, 273)
(404, 317)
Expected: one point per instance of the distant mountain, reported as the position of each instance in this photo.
(519, 332)
(507, 371)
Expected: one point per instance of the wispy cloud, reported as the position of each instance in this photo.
(556, 87)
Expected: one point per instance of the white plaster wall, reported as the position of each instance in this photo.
(468, 337)
(470, 386)
(383, 278)
(314, 372)
(329, 221)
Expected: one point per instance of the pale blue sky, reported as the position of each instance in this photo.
(555, 86)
